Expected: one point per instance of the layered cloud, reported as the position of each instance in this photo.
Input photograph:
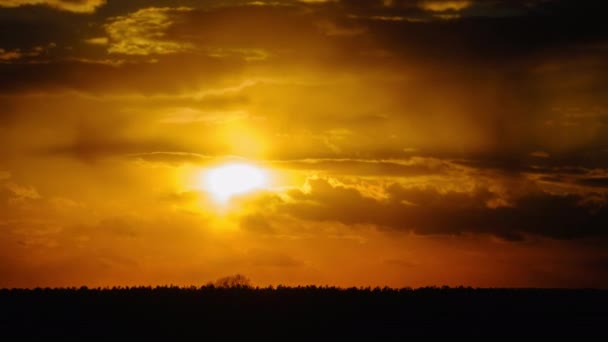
(427, 210)
(77, 6)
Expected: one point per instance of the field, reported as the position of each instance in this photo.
(301, 313)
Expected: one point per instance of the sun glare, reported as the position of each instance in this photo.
(225, 181)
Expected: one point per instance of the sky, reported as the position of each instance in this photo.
(401, 143)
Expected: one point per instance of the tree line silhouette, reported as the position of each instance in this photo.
(232, 308)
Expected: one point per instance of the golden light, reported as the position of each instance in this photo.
(225, 181)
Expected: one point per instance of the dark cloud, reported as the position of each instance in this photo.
(572, 163)
(293, 32)
(483, 84)
(77, 6)
(600, 182)
(429, 211)
(108, 77)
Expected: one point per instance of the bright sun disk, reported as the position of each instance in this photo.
(225, 181)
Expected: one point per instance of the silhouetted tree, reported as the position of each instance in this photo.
(234, 281)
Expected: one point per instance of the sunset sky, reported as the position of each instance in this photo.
(344, 142)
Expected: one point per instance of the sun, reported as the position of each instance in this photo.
(225, 181)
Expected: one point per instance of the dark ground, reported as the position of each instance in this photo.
(311, 313)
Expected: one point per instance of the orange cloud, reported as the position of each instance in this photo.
(9, 55)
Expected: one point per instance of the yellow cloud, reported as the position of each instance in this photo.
(445, 5)
(78, 6)
(144, 32)
(245, 54)
(97, 41)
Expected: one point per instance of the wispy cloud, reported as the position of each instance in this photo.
(77, 6)
(445, 5)
(144, 32)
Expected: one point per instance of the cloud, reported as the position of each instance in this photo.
(196, 79)
(428, 211)
(22, 192)
(361, 167)
(445, 5)
(600, 182)
(144, 32)
(187, 115)
(97, 41)
(10, 55)
(572, 179)
(77, 6)
(14, 55)
(171, 158)
(94, 149)
(333, 29)
(540, 154)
